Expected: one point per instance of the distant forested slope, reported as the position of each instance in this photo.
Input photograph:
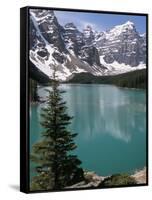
(134, 79)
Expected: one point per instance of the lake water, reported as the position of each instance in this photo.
(111, 126)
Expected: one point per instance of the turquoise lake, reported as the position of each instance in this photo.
(111, 126)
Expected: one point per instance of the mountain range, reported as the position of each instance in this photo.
(118, 50)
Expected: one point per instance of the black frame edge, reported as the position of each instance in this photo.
(147, 100)
(24, 140)
(87, 10)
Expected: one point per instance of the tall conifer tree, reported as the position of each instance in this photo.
(56, 167)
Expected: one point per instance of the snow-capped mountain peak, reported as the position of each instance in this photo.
(70, 26)
(129, 23)
(73, 51)
(121, 29)
(40, 15)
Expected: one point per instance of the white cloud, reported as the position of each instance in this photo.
(95, 27)
(64, 18)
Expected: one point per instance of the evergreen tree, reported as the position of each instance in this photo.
(33, 91)
(56, 167)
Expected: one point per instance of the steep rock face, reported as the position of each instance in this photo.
(49, 27)
(122, 44)
(90, 55)
(50, 44)
(45, 30)
(73, 38)
(88, 35)
(118, 50)
(80, 44)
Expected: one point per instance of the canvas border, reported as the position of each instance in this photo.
(24, 96)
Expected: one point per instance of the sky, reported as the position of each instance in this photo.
(100, 21)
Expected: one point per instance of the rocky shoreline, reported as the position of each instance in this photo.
(140, 176)
(92, 180)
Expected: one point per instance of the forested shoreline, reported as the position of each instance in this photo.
(135, 79)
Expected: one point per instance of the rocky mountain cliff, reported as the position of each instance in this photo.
(115, 51)
(122, 44)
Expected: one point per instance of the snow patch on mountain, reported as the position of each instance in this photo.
(45, 65)
(117, 68)
(37, 28)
